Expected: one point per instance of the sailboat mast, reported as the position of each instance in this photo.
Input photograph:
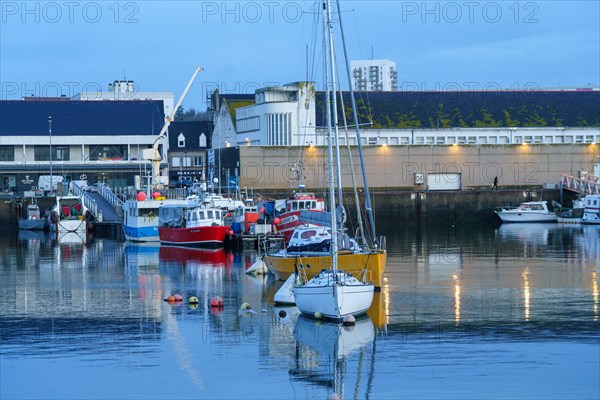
(368, 206)
(328, 105)
(335, 121)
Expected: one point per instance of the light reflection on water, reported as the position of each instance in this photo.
(470, 309)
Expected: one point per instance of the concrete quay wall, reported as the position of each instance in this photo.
(394, 167)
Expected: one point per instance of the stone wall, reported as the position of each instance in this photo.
(394, 167)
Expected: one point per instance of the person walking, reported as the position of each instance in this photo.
(495, 185)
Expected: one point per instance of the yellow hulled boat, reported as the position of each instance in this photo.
(283, 264)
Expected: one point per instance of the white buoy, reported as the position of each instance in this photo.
(349, 320)
(285, 294)
(258, 268)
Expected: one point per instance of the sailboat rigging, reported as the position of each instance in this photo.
(333, 293)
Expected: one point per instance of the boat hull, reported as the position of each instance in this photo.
(289, 221)
(141, 233)
(334, 301)
(283, 264)
(32, 224)
(207, 236)
(510, 216)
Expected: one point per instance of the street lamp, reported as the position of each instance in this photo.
(50, 133)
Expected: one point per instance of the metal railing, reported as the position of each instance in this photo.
(88, 202)
(589, 184)
(108, 194)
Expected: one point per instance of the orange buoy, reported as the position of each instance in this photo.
(170, 299)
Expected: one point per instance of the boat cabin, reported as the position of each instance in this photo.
(190, 217)
(304, 201)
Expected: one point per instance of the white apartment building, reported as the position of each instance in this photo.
(374, 75)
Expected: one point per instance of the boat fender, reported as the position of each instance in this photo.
(170, 299)
(216, 302)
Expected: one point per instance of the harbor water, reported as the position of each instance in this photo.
(494, 312)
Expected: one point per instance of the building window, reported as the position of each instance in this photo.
(248, 124)
(198, 161)
(61, 153)
(181, 140)
(41, 153)
(202, 140)
(106, 153)
(279, 129)
(187, 161)
(176, 161)
(7, 153)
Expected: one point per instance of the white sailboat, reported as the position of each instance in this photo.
(332, 294)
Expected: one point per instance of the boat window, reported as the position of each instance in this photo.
(308, 234)
(296, 235)
(193, 215)
(201, 215)
(209, 214)
(301, 205)
(294, 205)
(218, 214)
(314, 204)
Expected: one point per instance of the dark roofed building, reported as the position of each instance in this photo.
(72, 118)
(188, 142)
(472, 109)
(98, 140)
(294, 114)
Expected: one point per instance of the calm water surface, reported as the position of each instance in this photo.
(508, 312)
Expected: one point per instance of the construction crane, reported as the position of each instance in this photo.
(153, 155)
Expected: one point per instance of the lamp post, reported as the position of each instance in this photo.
(50, 133)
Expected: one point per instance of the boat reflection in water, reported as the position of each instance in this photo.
(72, 237)
(34, 236)
(335, 356)
(190, 256)
(530, 232)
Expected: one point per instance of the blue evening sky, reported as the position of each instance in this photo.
(47, 47)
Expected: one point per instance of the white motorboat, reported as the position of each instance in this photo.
(591, 210)
(69, 216)
(530, 211)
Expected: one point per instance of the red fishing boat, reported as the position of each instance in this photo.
(290, 209)
(192, 226)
